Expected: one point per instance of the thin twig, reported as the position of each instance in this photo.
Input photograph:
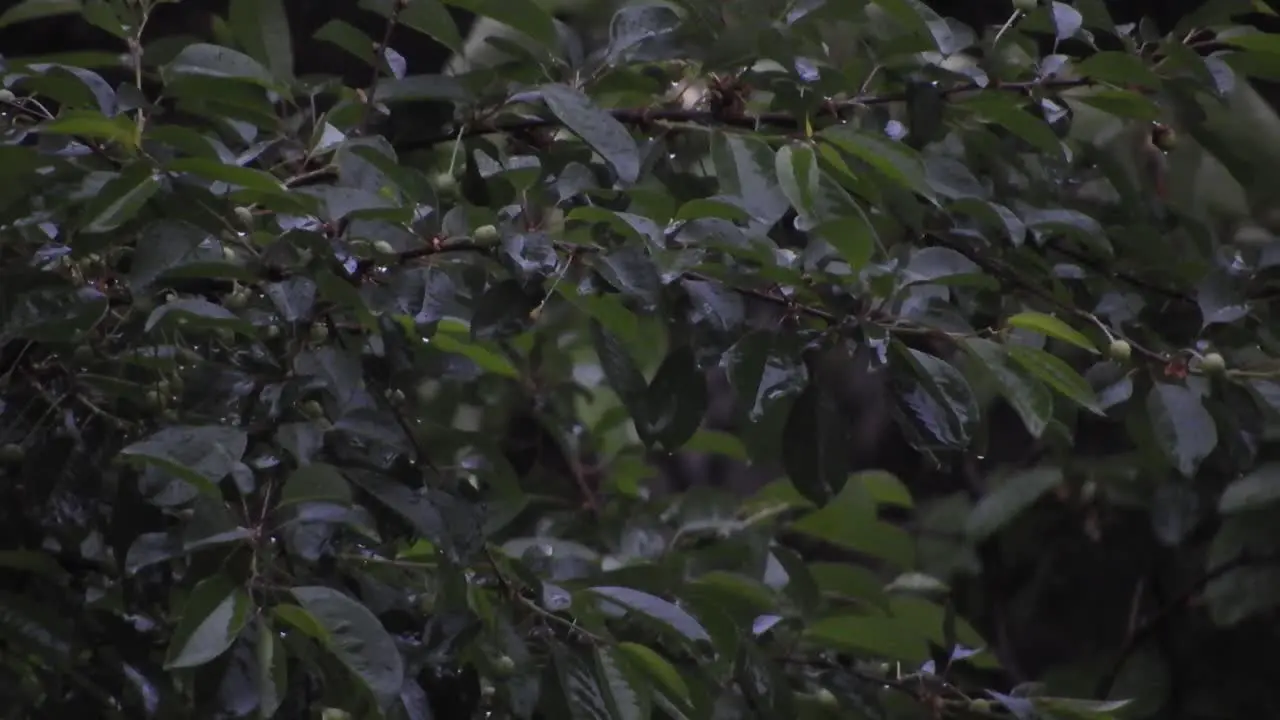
(782, 120)
(1150, 625)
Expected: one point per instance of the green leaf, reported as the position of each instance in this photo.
(746, 168)
(933, 264)
(896, 162)
(95, 126)
(167, 245)
(1031, 399)
(625, 692)
(200, 454)
(244, 177)
(876, 635)
(261, 27)
(1124, 103)
(221, 62)
(1259, 488)
(1119, 68)
(1015, 494)
(654, 607)
(428, 17)
(1183, 428)
(815, 445)
(452, 338)
(1057, 374)
(1051, 326)
(213, 616)
(357, 639)
(36, 9)
(596, 127)
(937, 396)
(453, 525)
(657, 668)
(272, 679)
(797, 168)
(849, 521)
(623, 376)
(120, 199)
(316, 482)
(676, 400)
(527, 16)
(1001, 109)
(198, 313)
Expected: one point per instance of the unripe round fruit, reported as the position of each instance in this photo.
(1164, 138)
(1120, 350)
(7, 96)
(170, 297)
(236, 301)
(228, 254)
(273, 331)
(425, 391)
(170, 415)
(504, 665)
(826, 698)
(980, 705)
(12, 453)
(226, 335)
(1213, 363)
(244, 215)
(445, 181)
(486, 234)
(319, 333)
(312, 409)
(153, 400)
(383, 247)
(164, 386)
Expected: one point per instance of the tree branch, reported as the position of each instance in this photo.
(641, 117)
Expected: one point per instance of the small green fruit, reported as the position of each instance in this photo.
(319, 333)
(826, 698)
(486, 234)
(445, 182)
(1120, 350)
(382, 247)
(980, 705)
(12, 453)
(229, 254)
(236, 301)
(164, 386)
(153, 400)
(244, 215)
(273, 332)
(425, 391)
(312, 409)
(170, 297)
(1213, 363)
(504, 665)
(7, 96)
(226, 335)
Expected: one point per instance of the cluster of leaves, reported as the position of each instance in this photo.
(293, 419)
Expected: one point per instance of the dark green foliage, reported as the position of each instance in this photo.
(703, 359)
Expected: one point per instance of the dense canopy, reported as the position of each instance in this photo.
(683, 359)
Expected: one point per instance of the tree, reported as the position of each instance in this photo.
(712, 360)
